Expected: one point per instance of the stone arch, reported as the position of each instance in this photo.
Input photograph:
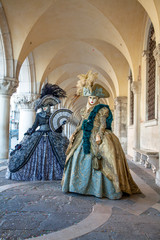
(151, 8)
(76, 47)
(64, 26)
(148, 24)
(8, 83)
(6, 46)
(27, 76)
(2, 57)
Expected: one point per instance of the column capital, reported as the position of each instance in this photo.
(8, 85)
(136, 87)
(145, 54)
(120, 99)
(156, 54)
(26, 100)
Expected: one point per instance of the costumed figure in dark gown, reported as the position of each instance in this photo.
(95, 163)
(41, 153)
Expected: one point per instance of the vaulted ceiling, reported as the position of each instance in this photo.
(69, 37)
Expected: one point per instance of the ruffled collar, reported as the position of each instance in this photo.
(44, 114)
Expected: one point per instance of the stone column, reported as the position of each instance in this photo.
(120, 120)
(65, 130)
(7, 88)
(69, 130)
(27, 112)
(157, 58)
(136, 88)
(72, 128)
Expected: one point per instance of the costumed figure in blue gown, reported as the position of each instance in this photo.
(41, 153)
(95, 162)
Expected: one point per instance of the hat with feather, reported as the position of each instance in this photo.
(50, 95)
(86, 86)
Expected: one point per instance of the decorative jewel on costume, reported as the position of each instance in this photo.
(86, 92)
(99, 157)
(17, 147)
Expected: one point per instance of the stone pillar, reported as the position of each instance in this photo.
(7, 88)
(69, 130)
(72, 128)
(27, 112)
(120, 120)
(157, 58)
(66, 130)
(136, 88)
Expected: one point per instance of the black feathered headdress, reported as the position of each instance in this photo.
(50, 95)
(54, 90)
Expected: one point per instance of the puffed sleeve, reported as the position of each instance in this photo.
(78, 128)
(103, 114)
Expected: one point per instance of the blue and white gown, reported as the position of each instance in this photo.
(103, 171)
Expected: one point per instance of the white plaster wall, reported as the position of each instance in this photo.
(149, 137)
(24, 78)
(130, 142)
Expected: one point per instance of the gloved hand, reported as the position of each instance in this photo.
(29, 131)
(98, 139)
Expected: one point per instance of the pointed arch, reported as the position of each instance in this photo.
(6, 52)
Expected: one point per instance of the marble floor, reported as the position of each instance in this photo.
(40, 211)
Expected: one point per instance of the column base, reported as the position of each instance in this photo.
(3, 155)
(158, 178)
(135, 157)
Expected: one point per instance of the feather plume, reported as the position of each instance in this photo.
(86, 80)
(54, 90)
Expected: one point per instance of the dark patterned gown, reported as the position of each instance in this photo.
(41, 153)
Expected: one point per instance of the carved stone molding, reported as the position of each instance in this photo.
(8, 86)
(120, 100)
(156, 54)
(7, 43)
(136, 87)
(120, 120)
(145, 54)
(26, 101)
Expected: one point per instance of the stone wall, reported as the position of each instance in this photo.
(120, 121)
